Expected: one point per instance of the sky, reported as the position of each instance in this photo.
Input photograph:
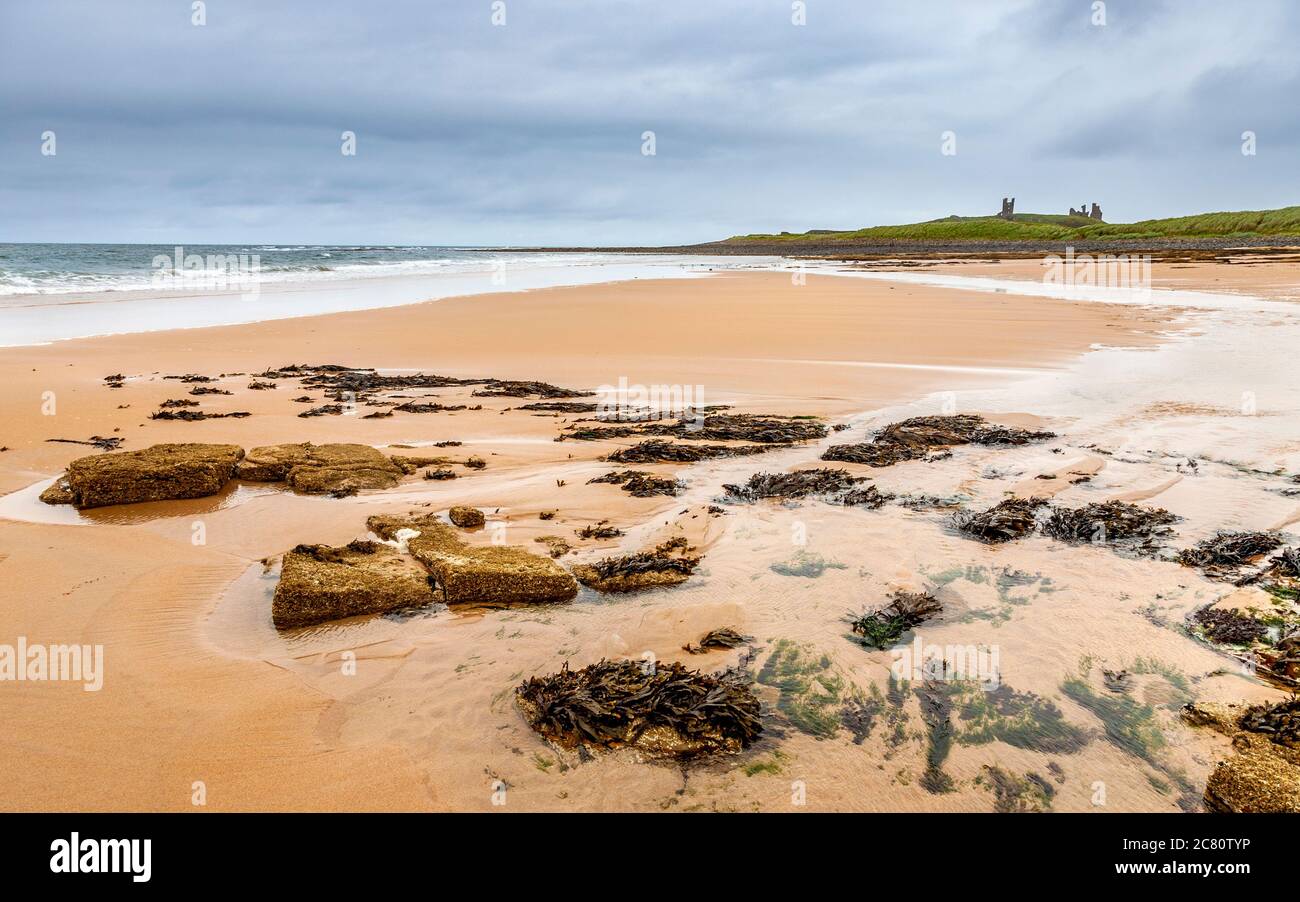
(523, 122)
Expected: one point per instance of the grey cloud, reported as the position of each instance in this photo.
(531, 133)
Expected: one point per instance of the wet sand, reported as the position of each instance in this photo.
(200, 687)
(1273, 276)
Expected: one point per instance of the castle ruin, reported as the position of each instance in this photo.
(1008, 208)
(1094, 213)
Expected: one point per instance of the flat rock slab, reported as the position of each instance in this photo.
(319, 583)
(469, 574)
(156, 473)
(466, 517)
(333, 469)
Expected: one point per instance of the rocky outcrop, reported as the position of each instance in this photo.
(466, 517)
(1263, 774)
(156, 473)
(670, 564)
(319, 583)
(334, 469)
(470, 574)
(920, 437)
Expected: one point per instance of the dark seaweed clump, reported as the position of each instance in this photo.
(500, 388)
(1279, 721)
(884, 627)
(193, 415)
(725, 637)
(427, 407)
(599, 531)
(1013, 518)
(659, 451)
(1228, 550)
(643, 563)
(666, 710)
(917, 437)
(1108, 522)
(867, 496)
(765, 429)
(761, 429)
(1283, 659)
(799, 484)
(640, 484)
(561, 406)
(341, 383)
(1230, 627)
(102, 442)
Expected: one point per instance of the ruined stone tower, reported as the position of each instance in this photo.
(1008, 208)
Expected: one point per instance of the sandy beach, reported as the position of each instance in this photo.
(200, 691)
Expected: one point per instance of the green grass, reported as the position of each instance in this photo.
(1049, 227)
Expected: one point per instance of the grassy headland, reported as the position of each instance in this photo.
(1036, 227)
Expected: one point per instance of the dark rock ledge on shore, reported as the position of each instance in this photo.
(157, 473)
(173, 472)
(1263, 773)
(319, 583)
(477, 574)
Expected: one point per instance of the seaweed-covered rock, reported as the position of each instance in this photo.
(917, 437)
(639, 483)
(156, 473)
(506, 388)
(466, 517)
(332, 469)
(1222, 554)
(59, 492)
(560, 406)
(1280, 721)
(319, 583)
(798, 484)
(1231, 627)
(1282, 660)
(868, 496)
(659, 451)
(764, 429)
(1263, 774)
(667, 565)
(1012, 518)
(905, 610)
(664, 712)
(194, 416)
(1110, 522)
(760, 429)
(468, 574)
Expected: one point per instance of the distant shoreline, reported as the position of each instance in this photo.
(1195, 248)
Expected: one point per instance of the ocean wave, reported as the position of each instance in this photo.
(92, 269)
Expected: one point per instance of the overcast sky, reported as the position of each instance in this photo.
(531, 132)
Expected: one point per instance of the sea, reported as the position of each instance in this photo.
(53, 292)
